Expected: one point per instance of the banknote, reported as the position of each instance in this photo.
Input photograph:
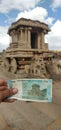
(39, 90)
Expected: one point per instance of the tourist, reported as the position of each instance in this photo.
(5, 92)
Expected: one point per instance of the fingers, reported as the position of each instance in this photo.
(3, 88)
(3, 82)
(9, 100)
(6, 93)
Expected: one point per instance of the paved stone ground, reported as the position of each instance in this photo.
(56, 125)
(22, 115)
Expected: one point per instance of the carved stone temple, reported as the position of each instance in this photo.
(27, 53)
(28, 34)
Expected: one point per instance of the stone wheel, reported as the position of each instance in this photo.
(13, 66)
(6, 64)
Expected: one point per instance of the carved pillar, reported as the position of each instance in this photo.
(21, 42)
(42, 37)
(18, 37)
(29, 37)
(26, 35)
(39, 45)
(15, 37)
(21, 29)
(13, 34)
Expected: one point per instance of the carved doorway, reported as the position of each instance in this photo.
(34, 40)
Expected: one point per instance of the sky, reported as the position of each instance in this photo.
(47, 11)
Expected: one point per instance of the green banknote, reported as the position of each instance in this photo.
(32, 89)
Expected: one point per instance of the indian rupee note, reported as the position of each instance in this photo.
(32, 89)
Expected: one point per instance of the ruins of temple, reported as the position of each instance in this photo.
(28, 34)
(28, 54)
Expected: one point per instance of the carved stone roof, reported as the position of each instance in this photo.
(29, 23)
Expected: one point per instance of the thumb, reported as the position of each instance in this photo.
(6, 93)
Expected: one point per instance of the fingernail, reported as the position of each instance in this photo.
(15, 90)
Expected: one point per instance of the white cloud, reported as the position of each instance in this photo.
(49, 20)
(4, 38)
(38, 13)
(7, 5)
(54, 37)
(56, 4)
(3, 30)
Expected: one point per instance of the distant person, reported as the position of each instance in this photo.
(5, 92)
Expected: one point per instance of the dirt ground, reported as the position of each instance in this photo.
(22, 115)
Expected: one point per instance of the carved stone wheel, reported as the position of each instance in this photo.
(13, 66)
(6, 64)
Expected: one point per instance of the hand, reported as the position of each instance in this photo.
(5, 92)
